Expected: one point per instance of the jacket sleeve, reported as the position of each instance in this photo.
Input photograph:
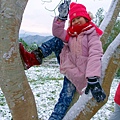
(95, 55)
(58, 29)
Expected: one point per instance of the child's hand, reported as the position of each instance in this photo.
(63, 10)
(95, 88)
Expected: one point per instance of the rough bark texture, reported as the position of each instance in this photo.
(13, 81)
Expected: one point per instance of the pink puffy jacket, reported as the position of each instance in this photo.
(80, 57)
(117, 95)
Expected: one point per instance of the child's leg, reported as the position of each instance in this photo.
(68, 89)
(116, 113)
(64, 100)
(35, 57)
(53, 45)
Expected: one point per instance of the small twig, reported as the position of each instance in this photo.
(54, 9)
(46, 1)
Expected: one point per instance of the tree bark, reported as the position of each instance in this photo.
(109, 20)
(86, 106)
(13, 81)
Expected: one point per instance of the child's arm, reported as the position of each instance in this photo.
(95, 55)
(58, 29)
(59, 22)
(93, 70)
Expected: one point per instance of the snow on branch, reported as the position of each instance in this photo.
(109, 52)
(109, 20)
(84, 103)
(109, 15)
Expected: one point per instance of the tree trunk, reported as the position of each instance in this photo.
(13, 81)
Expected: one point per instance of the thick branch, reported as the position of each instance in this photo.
(110, 19)
(13, 81)
(86, 106)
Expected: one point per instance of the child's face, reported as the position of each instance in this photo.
(78, 20)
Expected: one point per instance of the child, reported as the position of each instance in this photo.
(80, 59)
(35, 58)
(116, 113)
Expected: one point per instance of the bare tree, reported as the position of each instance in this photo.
(13, 81)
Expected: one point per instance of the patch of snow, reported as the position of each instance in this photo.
(46, 88)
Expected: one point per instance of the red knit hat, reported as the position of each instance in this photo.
(78, 10)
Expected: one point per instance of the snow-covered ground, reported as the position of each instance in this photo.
(46, 83)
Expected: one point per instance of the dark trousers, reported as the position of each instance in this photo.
(55, 45)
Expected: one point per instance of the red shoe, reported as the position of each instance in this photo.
(29, 58)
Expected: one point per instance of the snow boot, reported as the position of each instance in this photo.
(30, 59)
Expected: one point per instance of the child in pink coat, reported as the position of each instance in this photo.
(80, 59)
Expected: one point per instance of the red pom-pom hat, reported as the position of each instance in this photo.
(77, 10)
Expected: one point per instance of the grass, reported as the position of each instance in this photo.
(46, 83)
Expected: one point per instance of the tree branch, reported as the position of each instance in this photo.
(110, 19)
(86, 106)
